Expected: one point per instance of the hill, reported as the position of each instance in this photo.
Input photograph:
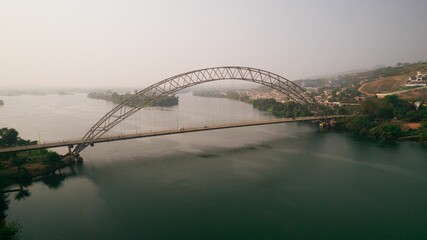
(417, 94)
(389, 79)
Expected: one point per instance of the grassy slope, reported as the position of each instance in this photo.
(390, 79)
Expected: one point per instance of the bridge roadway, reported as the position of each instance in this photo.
(67, 143)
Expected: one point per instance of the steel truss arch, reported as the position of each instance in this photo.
(189, 79)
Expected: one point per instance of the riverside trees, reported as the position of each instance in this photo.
(382, 119)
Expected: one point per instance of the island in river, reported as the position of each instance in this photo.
(167, 101)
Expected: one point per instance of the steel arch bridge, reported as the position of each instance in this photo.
(189, 79)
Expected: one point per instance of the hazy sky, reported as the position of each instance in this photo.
(112, 43)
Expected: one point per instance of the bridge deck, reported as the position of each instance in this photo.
(166, 132)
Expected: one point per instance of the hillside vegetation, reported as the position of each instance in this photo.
(390, 79)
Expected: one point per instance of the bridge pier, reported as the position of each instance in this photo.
(78, 158)
(70, 149)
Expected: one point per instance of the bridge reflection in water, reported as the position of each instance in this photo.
(121, 137)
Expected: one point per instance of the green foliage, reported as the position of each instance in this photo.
(288, 109)
(360, 124)
(423, 134)
(8, 137)
(392, 107)
(53, 159)
(19, 161)
(116, 98)
(264, 104)
(230, 94)
(167, 101)
(413, 116)
(386, 131)
(386, 110)
(10, 231)
(345, 95)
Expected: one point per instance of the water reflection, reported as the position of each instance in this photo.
(52, 180)
(22, 193)
(56, 180)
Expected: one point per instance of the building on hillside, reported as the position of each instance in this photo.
(418, 80)
(360, 98)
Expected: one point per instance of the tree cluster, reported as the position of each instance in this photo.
(392, 107)
(117, 98)
(380, 119)
(9, 137)
(230, 94)
(278, 109)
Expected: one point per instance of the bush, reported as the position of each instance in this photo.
(52, 159)
(360, 124)
(10, 230)
(386, 131)
(423, 134)
(413, 116)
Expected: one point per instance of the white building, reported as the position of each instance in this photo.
(419, 80)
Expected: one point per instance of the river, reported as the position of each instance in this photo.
(286, 181)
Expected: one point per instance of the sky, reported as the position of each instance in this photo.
(134, 43)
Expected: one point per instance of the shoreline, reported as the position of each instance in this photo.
(33, 174)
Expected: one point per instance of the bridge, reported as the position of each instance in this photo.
(179, 82)
(121, 137)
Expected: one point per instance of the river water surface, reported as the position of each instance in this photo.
(286, 181)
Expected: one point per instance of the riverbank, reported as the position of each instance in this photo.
(19, 167)
(388, 118)
(10, 174)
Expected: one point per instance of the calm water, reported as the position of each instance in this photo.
(288, 181)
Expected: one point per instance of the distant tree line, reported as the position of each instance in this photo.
(117, 98)
(230, 94)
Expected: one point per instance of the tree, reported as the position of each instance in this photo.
(8, 137)
(52, 159)
(360, 124)
(8, 230)
(386, 131)
(23, 193)
(19, 162)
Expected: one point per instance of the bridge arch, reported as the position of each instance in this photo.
(185, 80)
